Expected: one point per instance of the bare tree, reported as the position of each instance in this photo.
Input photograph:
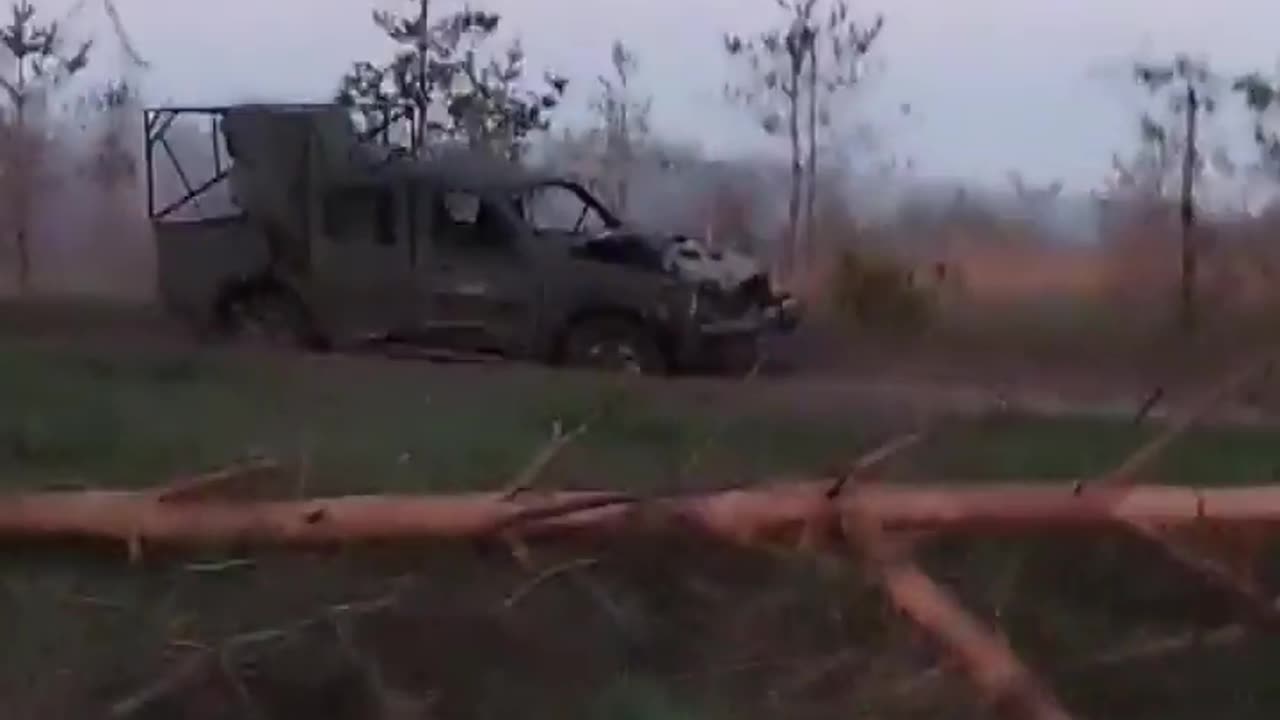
(1188, 89)
(788, 77)
(1262, 98)
(776, 59)
(41, 64)
(837, 50)
(110, 111)
(624, 123)
(110, 159)
(1145, 173)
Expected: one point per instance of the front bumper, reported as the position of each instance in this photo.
(707, 342)
(781, 315)
(784, 315)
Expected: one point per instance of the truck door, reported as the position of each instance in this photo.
(364, 275)
(479, 285)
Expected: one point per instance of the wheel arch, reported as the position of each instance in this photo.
(265, 283)
(606, 311)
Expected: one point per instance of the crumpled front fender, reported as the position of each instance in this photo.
(785, 314)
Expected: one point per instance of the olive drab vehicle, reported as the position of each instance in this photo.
(335, 237)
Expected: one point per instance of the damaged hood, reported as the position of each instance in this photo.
(688, 258)
(692, 259)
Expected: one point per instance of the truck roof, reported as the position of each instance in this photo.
(359, 161)
(462, 169)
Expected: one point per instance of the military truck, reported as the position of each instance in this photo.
(336, 237)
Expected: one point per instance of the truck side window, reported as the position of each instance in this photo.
(339, 221)
(358, 213)
(465, 220)
(460, 208)
(385, 218)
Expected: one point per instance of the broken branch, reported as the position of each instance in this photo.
(544, 576)
(873, 461)
(541, 461)
(243, 480)
(1141, 460)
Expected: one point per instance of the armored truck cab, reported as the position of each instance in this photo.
(333, 238)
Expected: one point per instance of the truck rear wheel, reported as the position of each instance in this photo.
(270, 319)
(614, 343)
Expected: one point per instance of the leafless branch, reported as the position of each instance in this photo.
(544, 576)
(542, 460)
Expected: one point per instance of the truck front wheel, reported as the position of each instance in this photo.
(614, 343)
(738, 356)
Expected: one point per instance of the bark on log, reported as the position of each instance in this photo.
(769, 513)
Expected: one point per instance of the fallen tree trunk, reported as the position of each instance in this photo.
(767, 513)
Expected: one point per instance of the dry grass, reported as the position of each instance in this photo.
(1003, 293)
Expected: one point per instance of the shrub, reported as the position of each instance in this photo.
(873, 292)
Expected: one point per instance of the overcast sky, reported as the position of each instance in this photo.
(1038, 86)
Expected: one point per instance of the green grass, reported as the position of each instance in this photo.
(127, 419)
(662, 632)
(1030, 448)
(120, 418)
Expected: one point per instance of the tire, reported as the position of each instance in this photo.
(614, 343)
(739, 357)
(269, 319)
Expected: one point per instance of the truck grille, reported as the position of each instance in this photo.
(752, 292)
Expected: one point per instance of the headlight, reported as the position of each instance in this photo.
(708, 299)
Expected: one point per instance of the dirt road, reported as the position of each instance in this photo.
(814, 374)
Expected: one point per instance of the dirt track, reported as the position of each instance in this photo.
(814, 373)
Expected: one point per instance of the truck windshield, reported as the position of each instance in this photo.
(563, 207)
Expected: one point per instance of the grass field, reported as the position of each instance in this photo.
(654, 632)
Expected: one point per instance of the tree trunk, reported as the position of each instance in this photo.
(762, 514)
(797, 171)
(24, 254)
(1187, 299)
(811, 198)
(424, 6)
(21, 176)
(624, 151)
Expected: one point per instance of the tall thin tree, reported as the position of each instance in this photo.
(1188, 87)
(624, 118)
(838, 46)
(797, 70)
(41, 63)
(776, 60)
